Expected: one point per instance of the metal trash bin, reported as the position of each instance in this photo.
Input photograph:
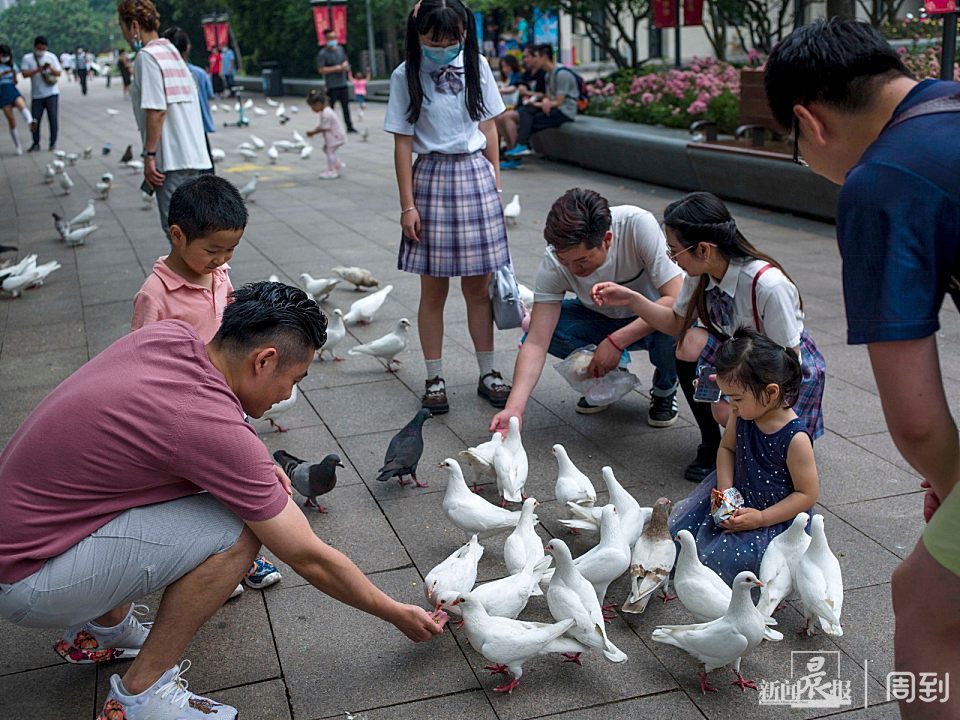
(271, 78)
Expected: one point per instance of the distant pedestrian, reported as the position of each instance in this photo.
(215, 68)
(331, 129)
(333, 64)
(81, 65)
(10, 97)
(43, 69)
(125, 66)
(229, 69)
(360, 89)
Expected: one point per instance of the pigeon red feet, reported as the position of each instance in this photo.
(665, 598)
(496, 669)
(477, 489)
(503, 502)
(705, 687)
(743, 683)
(508, 688)
(572, 657)
(337, 359)
(419, 484)
(609, 612)
(403, 483)
(780, 607)
(807, 629)
(573, 531)
(459, 626)
(311, 503)
(276, 426)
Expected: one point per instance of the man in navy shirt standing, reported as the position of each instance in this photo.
(859, 120)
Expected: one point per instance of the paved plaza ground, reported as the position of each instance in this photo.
(290, 652)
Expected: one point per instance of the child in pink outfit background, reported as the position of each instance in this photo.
(332, 130)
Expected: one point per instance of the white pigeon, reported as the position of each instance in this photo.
(509, 643)
(458, 573)
(248, 154)
(608, 559)
(29, 262)
(523, 544)
(572, 596)
(318, 288)
(281, 110)
(294, 109)
(512, 474)
(508, 596)
(258, 143)
(72, 159)
(214, 107)
(49, 174)
(306, 152)
(273, 155)
(104, 189)
(246, 146)
(336, 332)
(778, 567)
(722, 641)
(278, 409)
(259, 111)
(364, 133)
(357, 276)
(107, 177)
(702, 591)
(470, 512)
(271, 102)
(218, 154)
(572, 485)
(42, 271)
(273, 278)
(58, 166)
(511, 212)
(85, 216)
(87, 153)
(248, 103)
(386, 347)
(652, 559)
(135, 165)
(299, 139)
(16, 284)
(820, 583)
(60, 155)
(480, 459)
(633, 518)
(112, 113)
(362, 311)
(65, 183)
(285, 145)
(247, 190)
(236, 106)
(79, 236)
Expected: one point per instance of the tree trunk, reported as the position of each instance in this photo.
(390, 50)
(842, 8)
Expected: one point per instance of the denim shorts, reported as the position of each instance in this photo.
(137, 553)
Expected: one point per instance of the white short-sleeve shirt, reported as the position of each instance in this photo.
(182, 141)
(637, 259)
(778, 300)
(38, 86)
(444, 125)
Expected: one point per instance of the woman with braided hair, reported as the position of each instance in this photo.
(729, 284)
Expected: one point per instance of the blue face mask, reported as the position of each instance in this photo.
(331, 43)
(441, 55)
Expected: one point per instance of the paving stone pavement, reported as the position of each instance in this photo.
(290, 652)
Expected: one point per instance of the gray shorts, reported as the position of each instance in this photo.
(137, 553)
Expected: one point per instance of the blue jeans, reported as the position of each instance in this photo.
(579, 326)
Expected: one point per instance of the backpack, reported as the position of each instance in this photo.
(582, 98)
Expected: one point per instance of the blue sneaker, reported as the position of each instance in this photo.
(511, 164)
(518, 150)
(262, 574)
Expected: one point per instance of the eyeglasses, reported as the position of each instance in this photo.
(674, 255)
(796, 143)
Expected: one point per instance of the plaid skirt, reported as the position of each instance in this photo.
(462, 230)
(814, 368)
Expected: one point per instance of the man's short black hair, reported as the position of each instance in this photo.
(546, 51)
(330, 31)
(207, 204)
(272, 314)
(40, 40)
(837, 62)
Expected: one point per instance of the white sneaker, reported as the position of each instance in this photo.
(91, 643)
(329, 175)
(167, 699)
(237, 592)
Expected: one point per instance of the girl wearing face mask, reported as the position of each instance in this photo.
(10, 97)
(443, 102)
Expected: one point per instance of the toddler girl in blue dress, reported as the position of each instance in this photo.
(766, 453)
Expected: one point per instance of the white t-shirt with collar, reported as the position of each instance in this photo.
(444, 125)
(637, 259)
(38, 86)
(778, 300)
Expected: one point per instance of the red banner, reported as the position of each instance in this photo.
(216, 33)
(209, 35)
(665, 13)
(223, 34)
(321, 21)
(939, 7)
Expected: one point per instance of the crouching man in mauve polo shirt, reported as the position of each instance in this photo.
(138, 473)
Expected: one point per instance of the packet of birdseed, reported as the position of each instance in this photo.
(724, 503)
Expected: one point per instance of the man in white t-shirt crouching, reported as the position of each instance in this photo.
(589, 242)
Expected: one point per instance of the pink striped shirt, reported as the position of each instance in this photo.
(177, 81)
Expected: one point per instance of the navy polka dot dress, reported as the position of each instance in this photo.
(760, 474)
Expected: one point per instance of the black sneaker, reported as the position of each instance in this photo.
(585, 408)
(663, 410)
(34, 148)
(435, 396)
(704, 464)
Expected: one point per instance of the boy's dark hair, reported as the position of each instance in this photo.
(578, 216)
(753, 361)
(702, 217)
(316, 97)
(837, 62)
(40, 40)
(442, 20)
(5, 49)
(545, 51)
(206, 204)
(181, 41)
(271, 313)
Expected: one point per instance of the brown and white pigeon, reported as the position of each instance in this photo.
(652, 560)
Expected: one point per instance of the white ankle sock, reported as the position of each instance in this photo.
(434, 368)
(26, 115)
(485, 362)
(16, 138)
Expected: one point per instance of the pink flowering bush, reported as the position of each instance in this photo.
(924, 62)
(602, 95)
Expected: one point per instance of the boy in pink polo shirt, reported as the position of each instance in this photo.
(207, 218)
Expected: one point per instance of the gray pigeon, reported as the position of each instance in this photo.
(404, 451)
(127, 155)
(310, 479)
